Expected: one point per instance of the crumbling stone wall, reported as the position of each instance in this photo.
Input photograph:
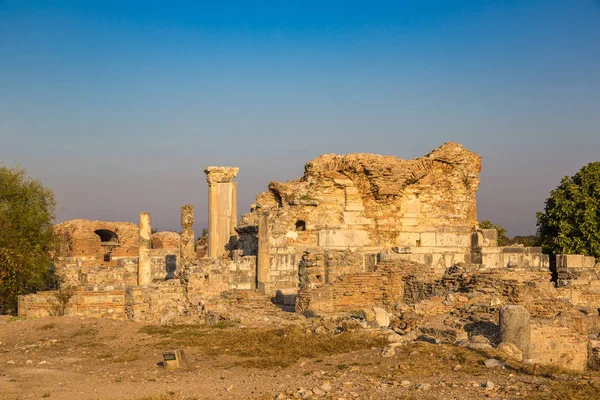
(88, 302)
(344, 282)
(78, 240)
(370, 201)
(165, 240)
(211, 277)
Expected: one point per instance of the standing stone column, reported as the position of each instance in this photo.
(263, 259)
(145, 247)
(186, 242)
(515, 327)
(222, 208)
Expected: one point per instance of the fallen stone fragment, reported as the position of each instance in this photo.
(388, 351)
(510, 350)
(494, 363)
(424, 387)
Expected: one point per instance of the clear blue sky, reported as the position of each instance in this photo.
(118, 106)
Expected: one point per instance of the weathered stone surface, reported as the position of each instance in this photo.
(515, 327)
(222, 209)
(145, 248)
(80, 238)
(360, 200)
(382, 318)
(165, 240)
(187, 254)
(511, 351)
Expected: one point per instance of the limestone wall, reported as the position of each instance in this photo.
(367, 201)
(123, 274)
(164, 263)
(211, 277)
(165, 240)
(101, 303)
(136, 303)
(156, 303)
(577, 270)
(560, 346)
(78, 239)
(345, 282)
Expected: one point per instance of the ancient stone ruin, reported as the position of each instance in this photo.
(392, 243)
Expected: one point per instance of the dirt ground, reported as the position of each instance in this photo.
(78, 358)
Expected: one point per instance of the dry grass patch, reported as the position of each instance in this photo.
(263, 348)
(86, 331)
(569, 390)
(47, 327)
(127, 357)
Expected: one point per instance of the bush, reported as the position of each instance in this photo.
(26, 236)
(570, 222)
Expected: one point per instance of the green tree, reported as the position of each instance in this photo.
(570, 222)
(527, 241)
(26, 236)
(502, 238)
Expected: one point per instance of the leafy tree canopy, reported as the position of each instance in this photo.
(26, 235)
(570, 222)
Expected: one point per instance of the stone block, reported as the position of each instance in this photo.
(513, 249)
(381, 317)
(343, 239)
(569, 260)
(427, 239)
(452, 239)
(493, 260)
(354, 206)
(355, 218)
(490, 237)
(174, 359)
(515, 327)
(589, 262)
(512, 260)
(408, 239)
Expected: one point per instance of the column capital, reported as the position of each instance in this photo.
(220, 174)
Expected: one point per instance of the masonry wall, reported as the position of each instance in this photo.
(159, 303)
(77, 239)
(85, 302)
(369, 202)
(211, 277)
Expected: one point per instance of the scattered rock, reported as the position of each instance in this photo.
(405, 384)
(429, 339)
(494, 363)
(462, 299)
(424, 387)
(480, 339)
(381, 317)
(388, 351)
(367, 314)
(393, 337)
(495, 302)
(510, 350)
